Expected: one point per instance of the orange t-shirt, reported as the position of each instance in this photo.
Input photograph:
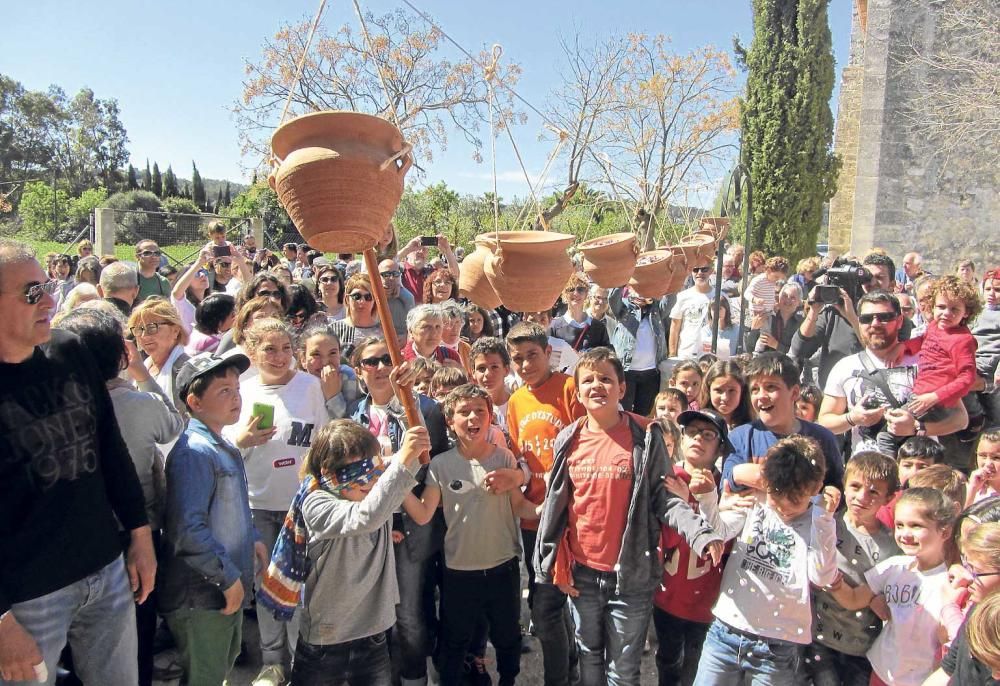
(535, 416)
(600, 469)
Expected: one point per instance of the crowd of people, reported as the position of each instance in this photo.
(787, 501)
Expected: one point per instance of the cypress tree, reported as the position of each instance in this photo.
(227, 198)
(787, 124)
(133, 178)
(157, 181)
(197, 187)
(147, 177)
(218, 200)
(170, 189)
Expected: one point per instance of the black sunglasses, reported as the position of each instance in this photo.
(268, 294)
(358, 297)
(579, 290)
(373, 362)
(882, 317)
(390, 274)
(701, 270)
(150, 253)
(328, 279)
(33, 294)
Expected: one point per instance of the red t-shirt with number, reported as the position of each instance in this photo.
(690, 585)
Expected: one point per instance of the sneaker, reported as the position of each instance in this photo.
(270, 675)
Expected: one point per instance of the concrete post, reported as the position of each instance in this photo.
(104, 231)
(257, 227)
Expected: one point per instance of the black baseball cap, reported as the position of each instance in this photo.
(203, 364)
(713, 418)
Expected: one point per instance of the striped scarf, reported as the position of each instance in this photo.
(281, 586)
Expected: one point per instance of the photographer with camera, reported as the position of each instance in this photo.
(831, 324)
(867, 392)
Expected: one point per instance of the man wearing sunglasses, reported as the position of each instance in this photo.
(689, 315)
(147, 256)
(68, 481)
(400, 299)
(857, 393)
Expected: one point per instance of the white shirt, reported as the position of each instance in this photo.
(644, 355)
(692, 309)
(186, 310)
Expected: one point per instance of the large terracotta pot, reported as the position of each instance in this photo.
(678, 271)
(472, 281)
(651, 278)
(340, 177)
(610, 260)
(717, 227)
(528, 269)
(698, 249)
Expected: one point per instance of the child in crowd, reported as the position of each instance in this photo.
(208, 563)
(682, 611)
(725, 392)
(918, 452)
(809, 402)
(481, 547)
(562, 357)
(490, 368)
(282, 408)
(787, 542)
(762, 291)
(984, 642)
(907, 650)
(686, 376)
(671, 437)
(601, 518)
(841, 637)
(318, 351)
(941, 477)
(985, 480)
(545, 405)
(445, 380)
(335, 555)
(424, 370)
(669, 404)
(947, 360)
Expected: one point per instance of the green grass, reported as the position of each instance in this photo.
(183, 253)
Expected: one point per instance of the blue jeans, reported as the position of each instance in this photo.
(610, 628)
(678, 650)
(828, 667)
(277, 639)
(553, 624)
(362, 662)
(97, 615)
(730, 656)
(411, 636)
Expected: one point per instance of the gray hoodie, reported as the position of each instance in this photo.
(650, 505)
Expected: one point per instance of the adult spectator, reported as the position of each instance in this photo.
(84, 248)
(425, 327)
(599, 310)
(290, 252)
(856, 397)
(330, 292)
(780, 327)
(832, 330)
(729, 331)
(439, 285)
(907, 306)
(145, 417)
(908, 273)
(264, 285)
(688, 316)
(119, 285)
(62, 272)
(191, 288)
(400, 299)
(168, 272)
(147, 256)
(88, 270)
(413, 258)
(302, 308)
(222, 276)
(966, 271)
(159, 332)
(987, 333)
(81, 293)
(737, 251)
(68, 483)
(575, 326)
(362, 319)
(639, 341)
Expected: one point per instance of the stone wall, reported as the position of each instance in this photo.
(892, 191)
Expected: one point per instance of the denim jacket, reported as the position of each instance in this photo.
(629, 316)
(209, 534)
(420, 541)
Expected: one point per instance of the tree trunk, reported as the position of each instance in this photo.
(556, 208)
(644, 230)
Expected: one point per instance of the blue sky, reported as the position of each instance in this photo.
(176, 67)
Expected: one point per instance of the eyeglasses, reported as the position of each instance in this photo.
(701, 270)
(579, 290)
(882, 317)
(226, 263)
(150, 253)
(976, 576)
(705, 434)
(374, 362)
(148, 329)
(33, 293)
(202, 273)
(905, 309)
(390, 274)
(268, 294)
(328, 279)
(358, 297)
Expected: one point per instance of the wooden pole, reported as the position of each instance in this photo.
(391, 339)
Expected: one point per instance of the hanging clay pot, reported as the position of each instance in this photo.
(717, 227)
(610, 260)
(698, 249)
(472, 281)
(678, 271)
(528, 269)
(339, 177)
(651, 278)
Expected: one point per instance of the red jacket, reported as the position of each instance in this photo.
(947, 363)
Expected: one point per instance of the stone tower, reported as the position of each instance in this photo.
(893, 191)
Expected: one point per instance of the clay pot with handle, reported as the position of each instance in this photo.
(698, 249)
(472, 281)
(339, 176)
(717, 227)
(652, 275)
(610, 260)
(528, 269)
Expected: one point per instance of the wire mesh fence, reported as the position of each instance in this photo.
(181, 236)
